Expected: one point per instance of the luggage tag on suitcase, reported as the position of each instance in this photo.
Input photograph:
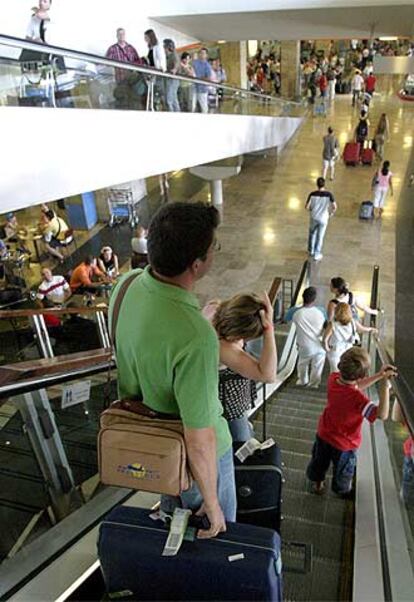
(251, 446)
(178, 528)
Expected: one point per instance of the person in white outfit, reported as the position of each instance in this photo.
(381, 184)
(309, 321)
(341, 334)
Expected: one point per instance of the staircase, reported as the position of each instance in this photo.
(326, 522)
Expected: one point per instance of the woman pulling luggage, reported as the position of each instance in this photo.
(381, 183)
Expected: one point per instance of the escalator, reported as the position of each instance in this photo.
(326, 523)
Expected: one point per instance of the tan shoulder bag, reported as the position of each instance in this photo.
(140, 448)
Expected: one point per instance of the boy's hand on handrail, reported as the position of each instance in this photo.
(388, 371)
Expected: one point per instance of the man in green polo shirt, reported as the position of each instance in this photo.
(168, 354)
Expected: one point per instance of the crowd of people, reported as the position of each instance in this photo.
(208, 373)
(132, 88)
(171, 94)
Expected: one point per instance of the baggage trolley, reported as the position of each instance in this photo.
(319, 108)
(121, 207)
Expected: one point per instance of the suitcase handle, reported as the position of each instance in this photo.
(307, 559)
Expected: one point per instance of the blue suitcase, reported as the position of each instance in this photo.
(130, 546)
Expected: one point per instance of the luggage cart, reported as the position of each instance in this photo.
(122, 207)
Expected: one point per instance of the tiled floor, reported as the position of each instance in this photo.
(264, 228)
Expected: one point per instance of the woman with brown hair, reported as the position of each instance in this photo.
(237, 320)
(341, 334)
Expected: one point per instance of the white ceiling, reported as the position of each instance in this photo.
(396, 19)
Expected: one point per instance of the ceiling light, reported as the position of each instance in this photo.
(221, 41)
(388, 38)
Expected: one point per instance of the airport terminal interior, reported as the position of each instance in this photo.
(293, 124)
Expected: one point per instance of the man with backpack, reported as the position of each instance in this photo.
(330, 152)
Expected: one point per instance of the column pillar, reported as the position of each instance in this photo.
(233, 57)
(216, 189)
(290, 68)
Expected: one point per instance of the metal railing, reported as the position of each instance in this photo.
(150, 72)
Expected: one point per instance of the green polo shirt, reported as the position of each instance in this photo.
(168, 355)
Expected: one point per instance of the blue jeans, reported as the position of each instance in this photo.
(241, 429)
(407, 489)
(226, 491)
(344, 464)
(171, 94)
(316, 236)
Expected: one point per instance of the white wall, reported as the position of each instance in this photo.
(161, 8)
(71, 151)
(88, 25)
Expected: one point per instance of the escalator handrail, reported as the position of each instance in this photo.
(24, 377)
(400, 386)
(7, 314)
(21, 43)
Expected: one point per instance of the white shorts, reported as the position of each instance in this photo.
(380, 196)
(328, 163)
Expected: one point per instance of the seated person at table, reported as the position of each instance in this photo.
(81, 279)
(13, 231)
(3, 254)
(55, 234)
(139, 257)
(54, 289)
(108, 262)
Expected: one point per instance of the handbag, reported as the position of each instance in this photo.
(375, 180)
(140, 448)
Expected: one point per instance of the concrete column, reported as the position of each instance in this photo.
(290, 69)
(216, 189)
(233, 56)
(324, 45)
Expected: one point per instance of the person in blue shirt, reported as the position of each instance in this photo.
(203, 70)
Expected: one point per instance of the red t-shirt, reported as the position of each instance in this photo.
(341, 421)
(370, 83)
(323, 83)
(409, 448)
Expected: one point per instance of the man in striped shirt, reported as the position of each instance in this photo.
(54, 289)
(339, 431)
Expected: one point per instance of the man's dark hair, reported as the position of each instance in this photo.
(89, 259)
(204, 48)
(330, 130)
(180, 233)
(185, 55)
(320, 182)
(309, 295)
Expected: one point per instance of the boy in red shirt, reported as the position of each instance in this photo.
(339, 430)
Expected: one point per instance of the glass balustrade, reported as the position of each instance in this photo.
(44, 76)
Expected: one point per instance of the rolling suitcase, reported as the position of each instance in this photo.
(352, 153)
(367, 156)
(259, 487)
(366, 210)
(242, 564)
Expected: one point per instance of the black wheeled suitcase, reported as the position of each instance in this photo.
(243, 563)
(259, 487)
(366, 210)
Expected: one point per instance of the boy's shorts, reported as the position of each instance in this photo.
(407, 489)
(344, 464)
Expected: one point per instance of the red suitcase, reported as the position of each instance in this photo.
(352, 153)
(367, 156)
